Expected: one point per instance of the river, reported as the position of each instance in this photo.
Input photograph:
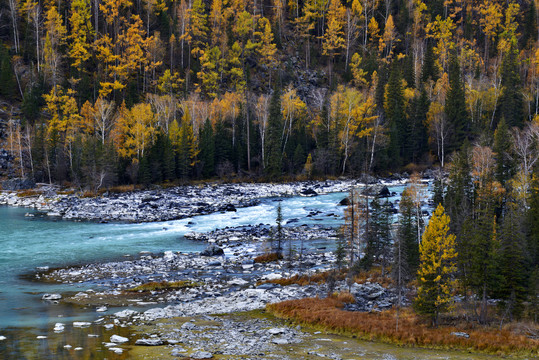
(29, 241)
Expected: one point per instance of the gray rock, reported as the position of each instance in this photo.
(460, 334)
(51, 297)
(118, 339)
(201, 355)
(179, 352)
(212, 250)
(149, 342)
(188, 326)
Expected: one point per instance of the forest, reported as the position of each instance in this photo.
(100, 93)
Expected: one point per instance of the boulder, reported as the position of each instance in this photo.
(212, 250)
(308, 192)
(201, 355)
(51, 297)
(384, 192)
(117, 339)
(228, 207)
(149, 342)
(344, 202)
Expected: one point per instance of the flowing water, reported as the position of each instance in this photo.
(29, 241)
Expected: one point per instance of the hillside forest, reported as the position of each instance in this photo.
(99, 93)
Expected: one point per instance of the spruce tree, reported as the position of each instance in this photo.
(505, 166)
(273, 151)
(207, 149)
(395, 115)
(512, 261)
(455, 106)
(511, 101)
(7, 77)
(407, 231)
(429, 71)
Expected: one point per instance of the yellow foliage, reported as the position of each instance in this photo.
(437, 266)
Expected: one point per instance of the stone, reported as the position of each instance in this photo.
(59, 327)
(41, 337)
(460, 334)
(101, 309)
(178, 352)
(212, 250)
(51, 297)
(344, 202)
(2, 338)
(384, 192)
(188, 326)
(201, 355)
(125, 313)
(149, 342)
(81, 324)
(280, 341)
(308, 192)
(118, 339)
(276, 331)
(117, 350)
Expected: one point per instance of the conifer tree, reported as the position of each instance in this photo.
(407, 232)
(455, 106)
(512, 261)
(273, 149)
(511, 101)
(437, 267)
(395, 115)
(505, 167)
(207, 149)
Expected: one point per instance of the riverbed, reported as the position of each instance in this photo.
(33, 242)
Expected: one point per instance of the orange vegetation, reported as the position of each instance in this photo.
(328, 314)
(268, 257)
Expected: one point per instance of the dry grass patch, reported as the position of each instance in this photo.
(328, 314)
(269, 257)
(28, 193)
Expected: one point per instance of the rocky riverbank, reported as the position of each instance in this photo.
(166, 204)
(193, 285)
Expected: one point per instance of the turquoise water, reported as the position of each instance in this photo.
(30, 242)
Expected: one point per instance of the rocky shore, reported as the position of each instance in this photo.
(229, 281)
(164, 204)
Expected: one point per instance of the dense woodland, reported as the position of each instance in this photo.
(109, 92)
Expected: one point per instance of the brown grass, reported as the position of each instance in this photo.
(27, 193)
(164, 285)
(328, 314)
(268, 257)
(374, 275)
(119, 189)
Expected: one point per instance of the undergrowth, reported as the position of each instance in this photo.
(328, 314)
